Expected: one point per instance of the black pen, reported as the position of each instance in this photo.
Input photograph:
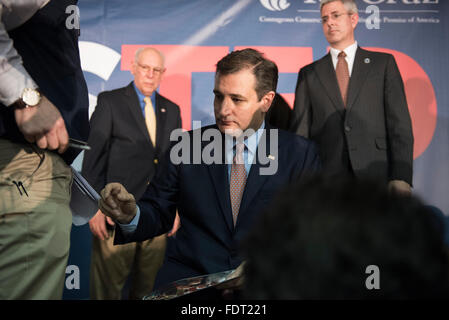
(73, 143)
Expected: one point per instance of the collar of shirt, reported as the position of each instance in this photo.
(249, 152)
(141, 97)
(350, 56)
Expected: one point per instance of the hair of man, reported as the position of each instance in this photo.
(264, 70)
(350, 5)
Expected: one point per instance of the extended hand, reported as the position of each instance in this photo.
(117, 203)
(44, 125)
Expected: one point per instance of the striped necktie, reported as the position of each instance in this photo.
(342, 72)
(238, 180)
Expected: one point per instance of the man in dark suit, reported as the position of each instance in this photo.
(126, 147)
(352, 103)
(218, 201)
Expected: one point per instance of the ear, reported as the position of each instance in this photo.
(354, 20)
(266, 100)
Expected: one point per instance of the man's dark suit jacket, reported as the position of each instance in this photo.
(121, 147)
(374, 132)
(207, 241)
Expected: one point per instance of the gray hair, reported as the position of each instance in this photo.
(350, 5)
(143, 49)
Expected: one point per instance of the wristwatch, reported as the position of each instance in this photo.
(30, 98)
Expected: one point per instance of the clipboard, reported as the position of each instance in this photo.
(84, 200)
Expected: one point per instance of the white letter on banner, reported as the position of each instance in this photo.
(374, 1)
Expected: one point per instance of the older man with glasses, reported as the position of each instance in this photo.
(131, 129)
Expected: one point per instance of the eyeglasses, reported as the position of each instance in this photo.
(334, 16)
(156, 71)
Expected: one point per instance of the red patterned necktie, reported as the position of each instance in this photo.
(342, 71)
(238, 180)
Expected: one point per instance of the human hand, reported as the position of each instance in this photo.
(98, 225)
(176, 226)
(44, 125)
(117, 203)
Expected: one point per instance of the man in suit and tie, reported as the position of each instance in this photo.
(352, 104)
(131, 129)
(218, 201)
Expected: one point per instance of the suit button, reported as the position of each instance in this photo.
(155, 161)
(347, 128)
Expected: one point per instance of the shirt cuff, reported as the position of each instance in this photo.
(129, 228)
(13, 82)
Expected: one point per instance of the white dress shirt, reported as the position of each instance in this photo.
(350, 56)
(249, 152)
(13, 76)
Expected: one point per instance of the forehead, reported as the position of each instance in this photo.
(237, 82)
(332, 7)
(150, 57)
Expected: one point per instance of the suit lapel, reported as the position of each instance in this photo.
(328, 78)
(360, 70)
(254, 183)
(220, 180)
(219, 175)
(133, 105)
(161, 117)
(255, 180)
